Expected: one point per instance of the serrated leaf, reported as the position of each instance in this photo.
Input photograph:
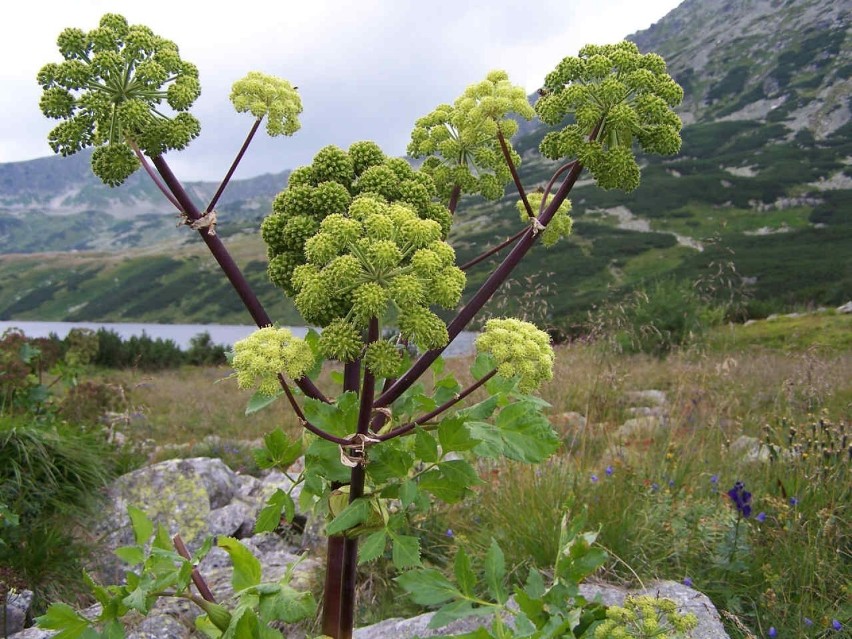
(62, 617)
(482, 365)
(465, 578)
(527, 434)
(113, 629)
(338, 419)
(450, 481)
(445, 389)
(490, 442)
(406, 552)
(132, 555)
(425, 446)
(139, 599)
(427, 587)
(247, 570)
(495, 570)
(407, 493)
(390, 460)
(270, 515)
(535, 587)
(143, 527)
(278, 450)
(323, 457)
(355, 513)
(372, 547)
(454, 436)
(481, 411)
(437, 366)
(259, 401)
(287, 604)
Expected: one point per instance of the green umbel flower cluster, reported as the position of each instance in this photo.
(646, 617)
(520, 350)
(560, 224)
(460, 141)
(265, 95)
(260, 357)
(627, 96)
(109, 90)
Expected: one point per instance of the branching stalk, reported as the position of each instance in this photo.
(226, 262)
(514, 171)
(234, 165)
(197, 579)
(407, 428)
(154, 177)
(493, 250)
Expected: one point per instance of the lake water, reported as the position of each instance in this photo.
(180, 334)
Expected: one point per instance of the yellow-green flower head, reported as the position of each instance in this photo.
(460, 141)
(520, 350)
(340, 340)
(260, 357)
(110, 91)
(560, 224)
(271, 97)
(423, 327)
(383, 358)
(281, 267)
(627, 96)
(645, 616)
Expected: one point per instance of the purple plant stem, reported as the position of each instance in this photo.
(479, 299)
(356, 491)
(455, 195)
(335, 553)
(407, 428)
(197, 579)
(226, 262)
(154, 177)
(234, 165)
(492, 251)
(515, 177)
(552, 181)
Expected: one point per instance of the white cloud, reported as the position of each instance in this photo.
(365, 69)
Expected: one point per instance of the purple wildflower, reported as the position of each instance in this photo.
(794, 501)
(594, 478)
(449, 533)
(714, 479)
(772, 631)
(809, 622)
(687, 582)
(655, 487)
(761, 517)
(609, 471)
(741, 498)
(836, 625)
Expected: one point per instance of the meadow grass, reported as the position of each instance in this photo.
(659, 495)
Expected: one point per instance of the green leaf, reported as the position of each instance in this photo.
(455, 610)
(323, 457)
(372, 547)
(278, 450)
(62, 617)
(535, 587)
(427, 587)
(287, 604)
(140, 598)
(406, 551)
(454, 435)
(270, 515)
(495, 570)
(481, 411)
(425, 446)
(450, 481)
(259, 401)
(437, 367)
(338, 419)
(390, 460)
(143, 527)
(527, 434)
(483, 365)
(355, 513)
(407, 493)
(247, 570)
(132, 555)
(445, 390)
(465, 577)
(490, 442)
(312, 338)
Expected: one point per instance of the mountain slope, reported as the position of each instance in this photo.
(759, 200)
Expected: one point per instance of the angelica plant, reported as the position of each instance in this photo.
(361, 243)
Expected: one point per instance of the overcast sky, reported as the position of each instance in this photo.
(366, 69)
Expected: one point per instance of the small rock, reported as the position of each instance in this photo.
(750, 449)
(653, 397)
(845, 309)
(643, 427)
(17, 611)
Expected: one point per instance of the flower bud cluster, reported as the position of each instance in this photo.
(460, 141)
(356, 236)
(520, 350)
(109, 91)
(560, 224)
(623, 94)
(265, 95)
(260, 357)
(646, 616)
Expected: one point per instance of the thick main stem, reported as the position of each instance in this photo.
(356, 491)
(463, 318)
(226, 262)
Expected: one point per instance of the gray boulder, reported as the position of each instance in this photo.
(17, 611)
